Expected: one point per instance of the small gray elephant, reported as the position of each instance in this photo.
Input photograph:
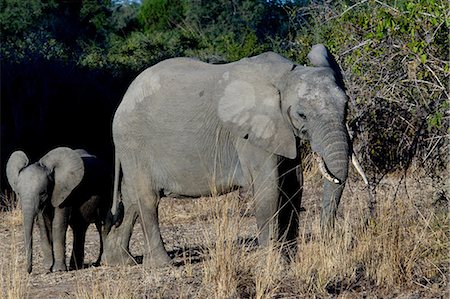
(65, 187)
(186, 128)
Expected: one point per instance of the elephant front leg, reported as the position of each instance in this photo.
(45, 229)
(266, 199)
(261, 174)
(291, 185)
(59, 229)
(265, 192)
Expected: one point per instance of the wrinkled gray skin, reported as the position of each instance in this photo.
(65, 187)
(188, 128)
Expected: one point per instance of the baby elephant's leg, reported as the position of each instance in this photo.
(59, 229)
(79, 238)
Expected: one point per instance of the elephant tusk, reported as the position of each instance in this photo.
(355, 161)
(323, 169)
(358, 167)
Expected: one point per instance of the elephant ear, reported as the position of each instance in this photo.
(16, 162)
(321, 57)
(251, 109)
(83, 153)
(68, 169)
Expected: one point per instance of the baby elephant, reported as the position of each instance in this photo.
(65, 187)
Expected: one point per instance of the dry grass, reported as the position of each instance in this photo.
(13, 282)
(401, 252)
(398, 250)
(101, 285)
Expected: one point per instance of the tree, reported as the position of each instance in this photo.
(161, 14)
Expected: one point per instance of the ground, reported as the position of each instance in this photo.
(400, 253)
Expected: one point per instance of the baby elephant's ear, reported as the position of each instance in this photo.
(68, 170)
(17, 161)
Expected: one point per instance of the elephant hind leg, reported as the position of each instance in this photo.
(138, 198)
(155, 254)
(98, 225)
(116, 240)
(79, 238)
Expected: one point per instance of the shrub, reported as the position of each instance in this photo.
(394, 57)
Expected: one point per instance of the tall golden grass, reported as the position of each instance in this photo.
(403, 249)
(14, 283)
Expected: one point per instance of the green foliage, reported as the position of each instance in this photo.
(161, 14)
(124, 17)
(96, 14)
(436, 119)
(59, 30)
(140, 50)
(239, 47)
(394, 54)
(226, 30)
(16, 16)
(395, 60)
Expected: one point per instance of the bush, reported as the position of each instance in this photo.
(395, 61)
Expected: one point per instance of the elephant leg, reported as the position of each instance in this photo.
(79, 238)
(290, 182)
(266, 201)
(59, 229)
(260, 171)
(155, 255)
(45, 229)
(98, 225)
(116, 241)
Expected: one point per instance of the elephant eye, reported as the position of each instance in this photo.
(302, 116)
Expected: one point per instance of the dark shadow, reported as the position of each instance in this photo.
(251, 243)
(357, 283)
(46, 104)
(138, 259)
(182, 255)
(198, 253)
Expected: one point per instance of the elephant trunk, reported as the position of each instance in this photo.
(330, 141)
(29, 213)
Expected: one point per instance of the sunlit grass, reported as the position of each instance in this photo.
(14, 281)
(403, 249)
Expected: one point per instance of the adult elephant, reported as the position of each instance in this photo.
(188, 128)
(65, 187)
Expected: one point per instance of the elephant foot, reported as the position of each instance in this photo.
(118, 258)
(159, 260)
(117, 239)
(48, 263)
(74, 266)
(116, 252)
(58, 267)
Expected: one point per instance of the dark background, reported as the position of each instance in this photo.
(65, 65)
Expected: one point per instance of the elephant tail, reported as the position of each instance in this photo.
(117, 209)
